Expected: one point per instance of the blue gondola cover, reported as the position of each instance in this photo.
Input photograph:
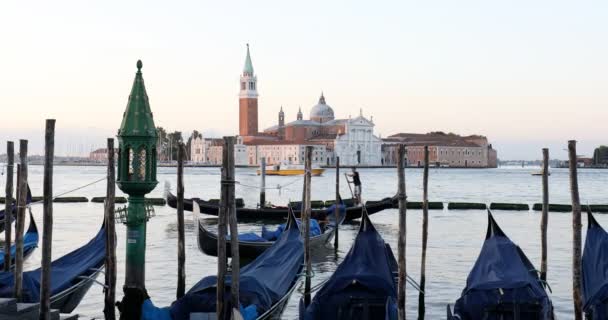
(502, 281)
(64, 271)
(595, 271)
(365, 277)
(30, 242)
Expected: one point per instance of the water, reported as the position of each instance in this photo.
(455, 237)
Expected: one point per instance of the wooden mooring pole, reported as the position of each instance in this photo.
(305, 216)
(8, 212)
(576, 232)
(337, 204)
(20, 223)
(181, 249)
(109, 310)
(47, 234)
(425, 233)
(402, 230)
(234, 231)
(263, 182)
(545, 216)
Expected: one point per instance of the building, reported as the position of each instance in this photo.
(209, 151)
(101, 155)
(447, 150)
(352, 140)
(284, 152)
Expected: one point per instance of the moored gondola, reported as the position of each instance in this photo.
(503, 284)
(30, 242)
(72, 275)
(265, 286)
(252, 245)
(595, 271)
(363, 286)
(13, 205)
(281, 213)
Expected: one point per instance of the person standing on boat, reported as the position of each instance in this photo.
(357, 183)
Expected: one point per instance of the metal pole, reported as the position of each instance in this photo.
(576, 233)
(337, 204)
(20, 225)
(109, 310)
(425, 232)
(181, 250)
(305, 216)
(263, 183)
(402, 230)
(545, 216)
(47, 234)
(8, 204)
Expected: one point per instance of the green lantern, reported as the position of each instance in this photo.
(137, 139)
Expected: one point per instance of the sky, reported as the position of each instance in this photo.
(527, 74)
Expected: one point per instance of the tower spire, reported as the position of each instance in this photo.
(248, 69)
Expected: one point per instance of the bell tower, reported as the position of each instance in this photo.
(281, 124)
(248, 100)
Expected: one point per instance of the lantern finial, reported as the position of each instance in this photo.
(139, 65)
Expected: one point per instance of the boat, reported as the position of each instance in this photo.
(30, 242)
(363, 285)
(265, 286)
(594, 271)
(539, 173)
(252, 245)
(503, 284)
(28, 200)
(280, 213)
(289, 170)
(72, 275)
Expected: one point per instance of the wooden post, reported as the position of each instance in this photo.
(110, 276)
(234, 232)
(181, 249)
(8, 212)
(576, 233)
(545, 216)
(305, 216)
(227, 180)
(47, 234)
(263, 183)
(20, 224)
(337, 211)
(425, 232)
(402, 231)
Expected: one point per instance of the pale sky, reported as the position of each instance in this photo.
(527, 74)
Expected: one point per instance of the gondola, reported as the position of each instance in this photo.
(265, 286)
(503, 284)
(595, 268)
(28, 200)
(72, 275)
(30, 242)
(280, 213)
(251, 245)
(363, 285)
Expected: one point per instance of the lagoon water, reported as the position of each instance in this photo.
(455, 237)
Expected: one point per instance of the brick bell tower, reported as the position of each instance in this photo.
(248, 100)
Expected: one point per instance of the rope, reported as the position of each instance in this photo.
(70, 191)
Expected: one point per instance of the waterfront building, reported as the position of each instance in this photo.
(284, 152)
(100, 155)
(446, 150)
(209, 151)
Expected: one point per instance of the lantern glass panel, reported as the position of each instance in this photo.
(141, 172)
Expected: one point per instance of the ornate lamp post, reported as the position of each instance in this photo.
(137, 140)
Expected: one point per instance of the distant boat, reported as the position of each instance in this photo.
(539, 173)
(289, 170)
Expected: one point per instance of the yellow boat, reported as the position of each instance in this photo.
(289, 170)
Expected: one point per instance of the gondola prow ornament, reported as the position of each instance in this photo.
(137, 139)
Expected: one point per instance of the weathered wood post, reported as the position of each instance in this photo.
(425, 232)
(109, 310)
(337, 204)
(263, 182)
(181, 249)
(234, 232)
(545, 216)
(226, 182)
(8, 212)
(576, 232)
(20, 225)
(47, 234)
(305, 216)
(402, 231)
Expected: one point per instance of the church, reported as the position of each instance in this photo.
(351, 139)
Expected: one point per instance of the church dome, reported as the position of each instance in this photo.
(321, 112)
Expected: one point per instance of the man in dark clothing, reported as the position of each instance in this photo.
(357, 182)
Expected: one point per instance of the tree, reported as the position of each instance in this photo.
(175, 138)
